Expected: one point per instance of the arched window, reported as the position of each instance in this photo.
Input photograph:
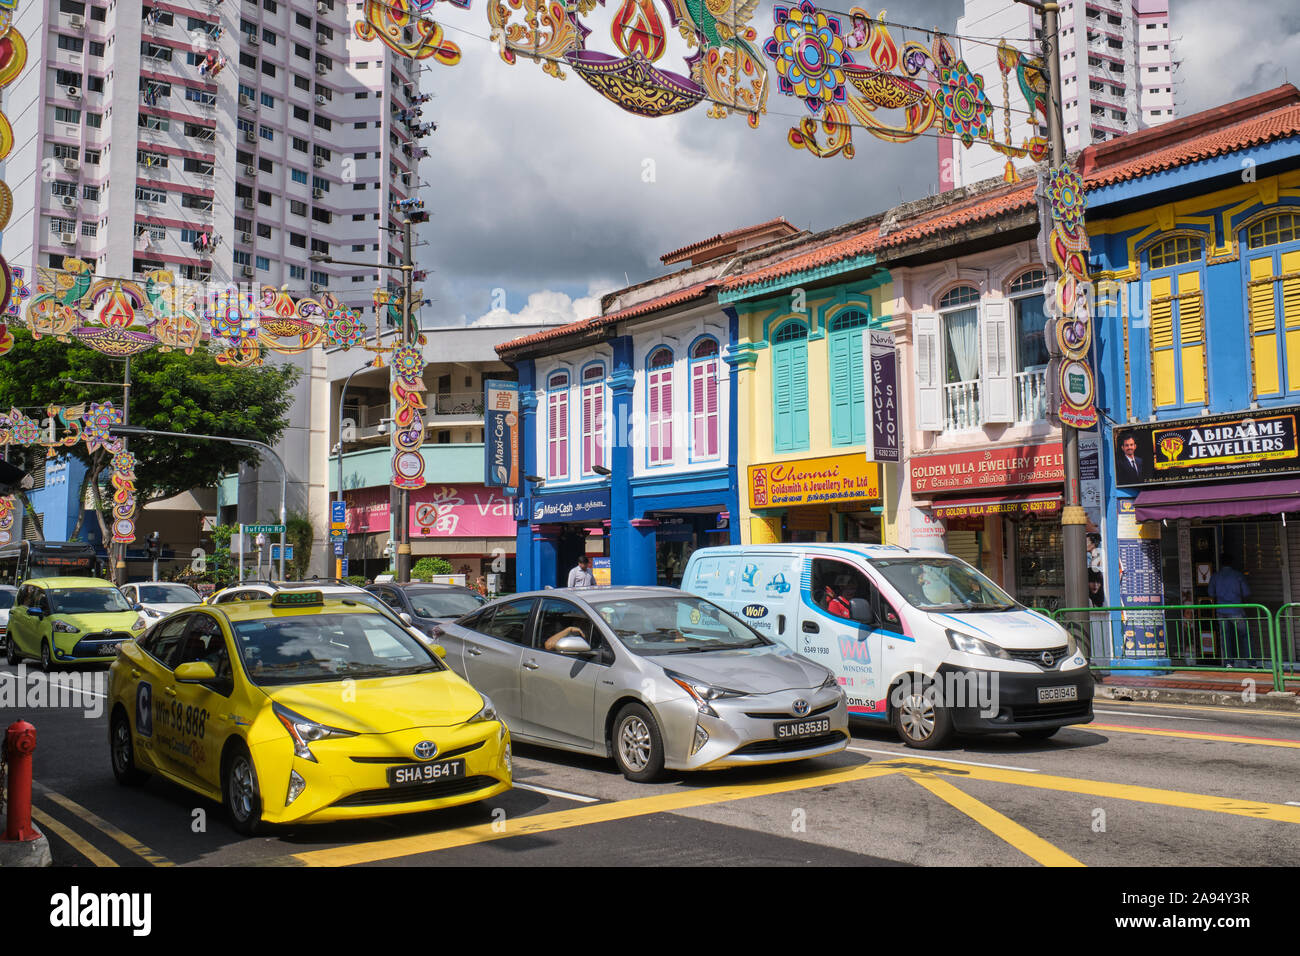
(557, 425)
(1272, 278)
(593, 418)
(790, 387)
(1177, 330)
(960, 314)
(848, 383)
(704, 399)
(659, 381)
(1030, 317)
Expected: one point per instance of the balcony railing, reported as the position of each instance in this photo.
(961, 405)
(457, 403)
(1031, 395)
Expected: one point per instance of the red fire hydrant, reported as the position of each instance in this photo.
(20, 742)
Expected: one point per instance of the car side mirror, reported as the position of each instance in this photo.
(35, 612)
(137, 606)
(572, 645)
(438, 649)
(195, 672)
(860, 611)
(406, 618)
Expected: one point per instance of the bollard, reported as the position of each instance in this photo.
(20, 742)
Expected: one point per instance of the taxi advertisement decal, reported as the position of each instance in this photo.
(144, 709)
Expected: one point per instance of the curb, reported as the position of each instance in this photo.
(26, 852)
(1279, 701)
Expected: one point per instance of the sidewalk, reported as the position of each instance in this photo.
(1223, 689)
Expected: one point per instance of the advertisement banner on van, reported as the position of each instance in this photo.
(501, 435)
(881, 371)
(811, 481)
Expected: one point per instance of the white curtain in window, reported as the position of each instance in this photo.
(963, 344)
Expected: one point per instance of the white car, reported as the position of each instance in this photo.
(7, 595)
(159, 598)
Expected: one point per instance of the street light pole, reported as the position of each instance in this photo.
(1073, 519)
(284, 475)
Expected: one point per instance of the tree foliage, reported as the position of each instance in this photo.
(426, 568)
(170, 391)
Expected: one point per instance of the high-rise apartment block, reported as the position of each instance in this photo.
(1116, 75)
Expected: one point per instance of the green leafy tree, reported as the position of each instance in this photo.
(300, 533)
(426, 568)
(170, 391)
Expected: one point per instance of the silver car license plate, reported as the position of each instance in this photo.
(412, 773)
(794, 729)
(1048, 695)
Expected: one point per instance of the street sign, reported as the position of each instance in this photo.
(338, 511)
(275, 552)
(263, 528)
(337, 534)
(338, 548)
(338, 526)
(344, 567)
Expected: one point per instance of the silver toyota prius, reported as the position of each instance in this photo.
(653, 677)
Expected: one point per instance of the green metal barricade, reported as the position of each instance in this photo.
(1287, 625)
(1235, 638)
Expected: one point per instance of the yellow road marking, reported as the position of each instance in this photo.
(1259, 810)
(50, 825)
(1199, 735)
(1003, 827)
(106, 828)
(581, 816)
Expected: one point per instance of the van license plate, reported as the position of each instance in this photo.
(795, 729)
(408, 774)
(1047, 695)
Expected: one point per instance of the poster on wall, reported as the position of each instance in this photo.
(881, 360)
(601, 571)
(927, 530)
(1140, 583)
(501, 435)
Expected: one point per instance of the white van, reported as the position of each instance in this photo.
(917, 638)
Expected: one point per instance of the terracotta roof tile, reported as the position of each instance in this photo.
(679, 254)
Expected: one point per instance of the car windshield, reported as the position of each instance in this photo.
(652, 626)
(444, 603)
(943, 584)
(7, 599)
(317, 648)
(168, 594)
(87, 600)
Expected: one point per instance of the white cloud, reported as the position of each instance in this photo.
(1229, 53)
(550, 308)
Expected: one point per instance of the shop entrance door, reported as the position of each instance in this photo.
(570, 546)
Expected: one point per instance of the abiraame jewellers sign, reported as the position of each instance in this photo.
(1243, 445)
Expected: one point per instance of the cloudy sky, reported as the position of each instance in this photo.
(544, 195)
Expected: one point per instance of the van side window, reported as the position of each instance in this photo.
(835, 584)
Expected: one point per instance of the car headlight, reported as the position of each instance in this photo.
(973, 645)
(304, 731)
(831, 683)
(701, 692)
(488, 712)
(1071, 645)
(140, 624)
(63, 627)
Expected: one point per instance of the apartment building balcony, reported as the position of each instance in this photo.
(373, 467)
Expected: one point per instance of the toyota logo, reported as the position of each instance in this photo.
(426, 750)
(1047, 658)
(800, 707)
(108, 631)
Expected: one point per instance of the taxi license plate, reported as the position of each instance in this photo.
(794, 729)
(412, 773)
(1047, 695)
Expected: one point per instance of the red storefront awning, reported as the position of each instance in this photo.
(1040, 503)
(1222, 500)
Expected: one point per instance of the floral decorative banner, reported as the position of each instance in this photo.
(388, 20)
(408, 423)
(1069, 373)
(13, 57)
(6, 519)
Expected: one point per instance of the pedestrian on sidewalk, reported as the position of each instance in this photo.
(1228, 586)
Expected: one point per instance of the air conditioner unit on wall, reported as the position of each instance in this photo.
(250, 136)
(246, 238)
(248, 202)
(71, 165)
(322, 8)
(245, 100)
(74, 92)
(321, 39)
(77, 22)
(322, 68)
(316, 287)
(68, 238)
(318, 194)
(318, 161)
(250, 171)
(69, 202)
(252, 39)
(320, 99)
(248, 271)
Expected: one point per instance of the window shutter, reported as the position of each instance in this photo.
(1291, 317)
(858, 386)
(587, 399)
(997, 389)
(1263, 326)
(782, 415)
(841, 390)
(552, 435)
(598, 425)
(1191, 335)
(711, 407)
(1164, 386)
(929, 403)
(666, 411)
(799, 395)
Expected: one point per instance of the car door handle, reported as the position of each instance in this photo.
(532, 665)
(472, 650)
(171, 691)
(780, 624)
(810, 627)
(134, 672)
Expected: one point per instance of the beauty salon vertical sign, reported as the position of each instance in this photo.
(880, 368)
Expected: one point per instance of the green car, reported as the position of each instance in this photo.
(61, 621)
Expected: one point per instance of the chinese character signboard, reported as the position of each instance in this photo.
(812, 481)
(501, 441)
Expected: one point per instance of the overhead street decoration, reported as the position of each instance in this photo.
(13, 57)
(1069, 334)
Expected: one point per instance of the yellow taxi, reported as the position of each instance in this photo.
(302, 709)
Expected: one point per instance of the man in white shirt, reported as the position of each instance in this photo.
(581, 576)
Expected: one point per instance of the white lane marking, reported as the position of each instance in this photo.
(60, 685)
(929, 755)
(557, 793)
(1131, 713)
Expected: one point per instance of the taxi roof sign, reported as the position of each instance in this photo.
(297, 599)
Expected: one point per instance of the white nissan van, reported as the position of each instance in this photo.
(917, 638)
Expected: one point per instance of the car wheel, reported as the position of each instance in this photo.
(240, 791)
(1041, 734)
(918, 719)
(123, 752)
(638, 746)
(47, 660)
(12, 654)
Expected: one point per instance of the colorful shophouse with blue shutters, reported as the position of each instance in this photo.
(1195, 232)
(628, 441)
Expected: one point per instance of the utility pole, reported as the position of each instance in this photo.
(119, 569)
(408, 338)
(1073, 519)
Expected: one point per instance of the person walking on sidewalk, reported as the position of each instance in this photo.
(581, 576)
(1228, 586)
